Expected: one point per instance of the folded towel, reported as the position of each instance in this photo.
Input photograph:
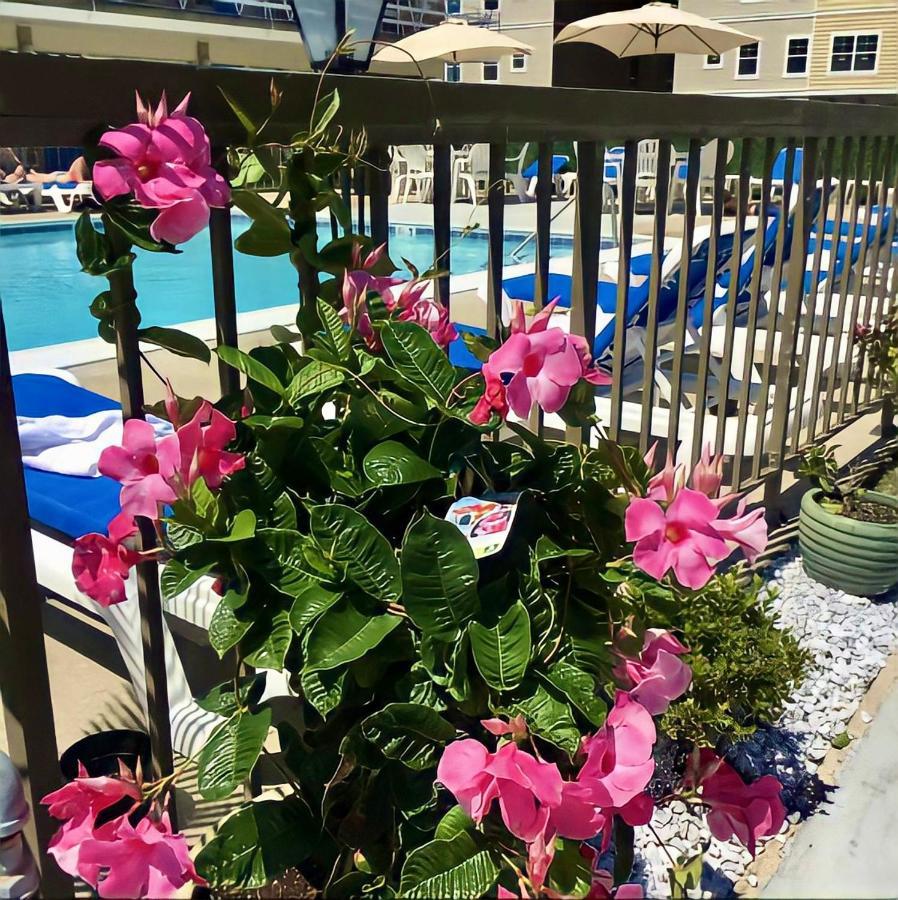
(72, 445)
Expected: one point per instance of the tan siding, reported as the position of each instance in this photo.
(850, 22)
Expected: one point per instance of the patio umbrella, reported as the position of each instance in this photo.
(654, 28)
(455, 41)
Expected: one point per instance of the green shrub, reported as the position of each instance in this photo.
(888, 484)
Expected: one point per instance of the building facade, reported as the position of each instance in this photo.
(838, 49)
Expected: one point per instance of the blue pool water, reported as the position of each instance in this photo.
(46, 296)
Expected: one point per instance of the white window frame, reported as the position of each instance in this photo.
(854, 72)
(518, 57)
(807, 70)
(450, 65)
(757, 73)
(710, 65)
(491, 62)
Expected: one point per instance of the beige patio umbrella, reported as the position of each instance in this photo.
(654, 28)
(454, 41)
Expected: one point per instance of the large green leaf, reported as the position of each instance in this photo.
(176, 577)
(324, 690)
(453, 868)
(252, 368)
(229, 755)
(409, 732)
(454, 822)
(309, 604)
(178, 342)
(269, 640)
(439, 577)
(391, 463)
(503, 652)
(269, 233)
(349, 539)
(417, 358)
(335, 329)
(313, 379)
(343, 634)
(225, 629)
(579, 687)
(547, 717)
(257, 843)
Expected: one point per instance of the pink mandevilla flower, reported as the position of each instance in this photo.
(523, 785)
(201, 443)
(657, 676)
(164, 161)
(544, 364)
(432, 316)
(744, 811)
(144, 467)
(78, 804)
(603, 888)
(682, 538)
(146, 860)
(707, 473)
(100, 564)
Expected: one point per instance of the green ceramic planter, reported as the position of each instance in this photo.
(860, 558)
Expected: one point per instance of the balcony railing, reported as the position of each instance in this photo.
(741, 332)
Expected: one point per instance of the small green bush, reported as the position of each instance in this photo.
(888, 484)
(744, 666)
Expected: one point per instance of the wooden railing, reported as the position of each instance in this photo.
(771, 367)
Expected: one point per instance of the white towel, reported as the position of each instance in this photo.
(72, 445)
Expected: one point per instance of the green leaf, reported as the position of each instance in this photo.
(134, 223)
(325, 110)
(547, 717)
(349, 539)
(336, 330)
(454, 822)
(182, 536)
(225, 629)
(242, 528)
(418, 359)
(309, 604)
(242, 116)
(178, 342)
(439, 577)
(258, 843)
(252, 368)
(176, 578)
(269, 233)
(224, 701)
(229, 755)
(686, 876)
(409, 732)
(324, 690)
(268, 641)
(391, 463)
(579, 687)
(502, 653)
(313, 379)
(343, 634)
(453, 868)
(570, 873)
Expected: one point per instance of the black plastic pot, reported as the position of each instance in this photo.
(101, 752)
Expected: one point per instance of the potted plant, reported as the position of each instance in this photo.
(848, 537)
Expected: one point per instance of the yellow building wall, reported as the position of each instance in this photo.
(841, 17)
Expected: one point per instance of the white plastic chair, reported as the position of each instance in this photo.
(24, 193)
(473, 172)
(418, 173)
(64, 198)
(646, 167)
(707, 162)
(514, 169)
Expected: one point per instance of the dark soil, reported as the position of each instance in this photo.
(871, 511)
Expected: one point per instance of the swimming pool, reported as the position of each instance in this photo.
(46, 296)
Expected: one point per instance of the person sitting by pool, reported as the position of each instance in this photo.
(14, 171)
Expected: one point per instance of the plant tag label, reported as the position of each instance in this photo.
(485, 521)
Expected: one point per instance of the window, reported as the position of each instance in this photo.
(452, 72)
(489, 5)
(797, 51)
(491, 71)
(854, 53)
(519, 62)
(747, 63)
(713, 61)
(453, 7)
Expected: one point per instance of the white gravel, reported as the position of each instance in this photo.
(850, 639)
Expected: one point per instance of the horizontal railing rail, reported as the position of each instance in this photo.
(731, 317)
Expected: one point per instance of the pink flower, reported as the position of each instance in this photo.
(603, 888)
(78, 804)
(144, 467)
(515, 727)
(164, 162)
(523, 785)
(744, 811)
(663, 486)
(201, 443)
(619, 763)
(683, 537)
(494, 399)
(148, 860)
(748, 531)
(540, 854)
(101, 564)
(657, 676)
(432, 316)
(707, 473)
